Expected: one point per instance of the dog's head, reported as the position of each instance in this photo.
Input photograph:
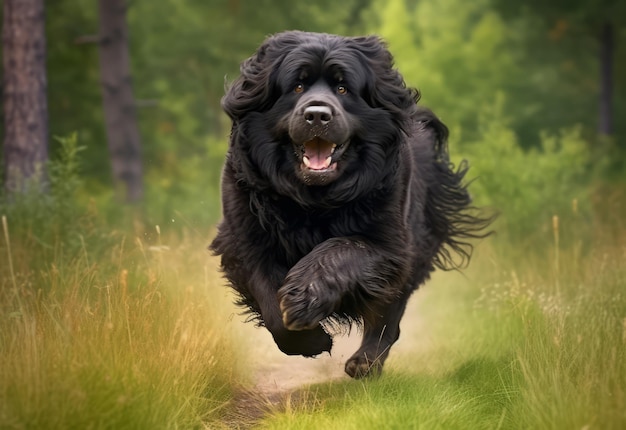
(317, 108)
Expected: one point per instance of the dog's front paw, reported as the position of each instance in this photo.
(305, 304)
(308, 343)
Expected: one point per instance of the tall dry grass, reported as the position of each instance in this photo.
(129, 336)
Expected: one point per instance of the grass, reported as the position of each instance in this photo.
(103, 329)
(538, 343)
(126, 336)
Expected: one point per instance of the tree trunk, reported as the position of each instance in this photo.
(605, 124)
(24, 95)
(119, 103)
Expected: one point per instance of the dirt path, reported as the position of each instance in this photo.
(277, 372)
(277, 375)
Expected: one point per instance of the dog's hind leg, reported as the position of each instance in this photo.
(378, 337)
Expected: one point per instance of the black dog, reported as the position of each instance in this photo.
(338, 195)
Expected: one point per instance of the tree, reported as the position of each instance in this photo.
(24, 95)
(583, 30)
(123, 137)
(606, 42)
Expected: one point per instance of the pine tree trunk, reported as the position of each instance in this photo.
(24, 95)
(605, 125)
(119, 103)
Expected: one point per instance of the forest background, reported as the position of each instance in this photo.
(517, 85)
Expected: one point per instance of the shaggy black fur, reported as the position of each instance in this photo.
(338, 195)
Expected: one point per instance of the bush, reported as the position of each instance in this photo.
(529, 187)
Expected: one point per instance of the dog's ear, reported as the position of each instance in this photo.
(385, 87)
(254, 90)
(249, 92)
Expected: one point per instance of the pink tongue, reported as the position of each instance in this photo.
(317, 162)
(318, 151)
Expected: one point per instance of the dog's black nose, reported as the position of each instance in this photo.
(318, 115)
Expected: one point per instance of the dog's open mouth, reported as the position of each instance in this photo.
(319, 161)
(318, 155)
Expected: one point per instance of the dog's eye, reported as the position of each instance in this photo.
(298, 89)
(342, 90)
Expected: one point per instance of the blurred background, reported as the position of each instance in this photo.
(533, 93)
(114, 315)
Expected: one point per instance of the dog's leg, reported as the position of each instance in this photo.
(310, 342)
(378, 337)
(340, 272)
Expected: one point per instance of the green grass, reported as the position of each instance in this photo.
(108, 324)
(102, 328)
(538, 343)
(131, 336)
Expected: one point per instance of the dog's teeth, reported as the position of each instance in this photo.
(328, 161)
(306, 161)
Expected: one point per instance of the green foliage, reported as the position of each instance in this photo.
(74, 96)
(184, 192)
(528, 187)
(514, 112)
(64, 173)
(461, 55)
(51, 218)
(457, 53)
